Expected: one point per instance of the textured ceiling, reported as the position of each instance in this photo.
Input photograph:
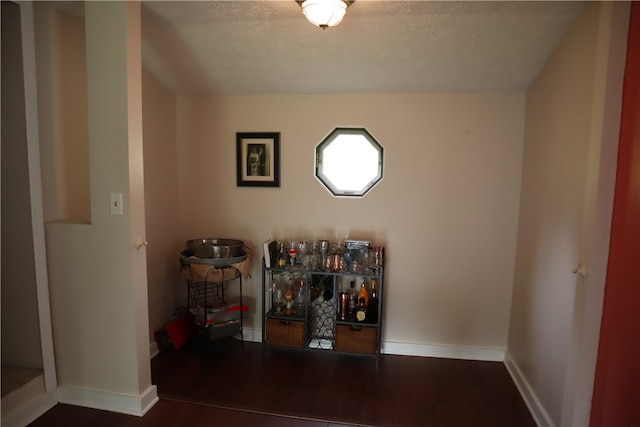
(255, 47)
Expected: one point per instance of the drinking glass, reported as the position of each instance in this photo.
(278, 299)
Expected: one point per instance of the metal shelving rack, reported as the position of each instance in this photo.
(318, 316)
(206, 295)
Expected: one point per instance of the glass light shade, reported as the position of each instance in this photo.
(324, 13)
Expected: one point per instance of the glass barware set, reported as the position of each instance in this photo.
(321, 255)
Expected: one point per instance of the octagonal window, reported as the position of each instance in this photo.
(349, 162)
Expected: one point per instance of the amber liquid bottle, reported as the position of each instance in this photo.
(363, 294)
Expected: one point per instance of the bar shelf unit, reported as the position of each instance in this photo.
(316, 323)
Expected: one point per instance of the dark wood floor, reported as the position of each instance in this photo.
(226, 385)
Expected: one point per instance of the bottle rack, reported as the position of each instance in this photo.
(315, 323)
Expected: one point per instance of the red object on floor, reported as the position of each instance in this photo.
(175, 334)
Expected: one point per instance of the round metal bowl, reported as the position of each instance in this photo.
(188, 259)
(215, 248)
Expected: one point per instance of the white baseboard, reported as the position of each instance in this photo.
(540, 415)
(412, 349)
(27, 413)
(444, 351)
(252, 334)
(405, 349)
(154, 350)
(130, 404)
(425, 350)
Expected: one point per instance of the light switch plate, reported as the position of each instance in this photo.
(116, 203)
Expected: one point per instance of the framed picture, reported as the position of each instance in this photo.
(258, 159)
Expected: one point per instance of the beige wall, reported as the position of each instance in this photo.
(165, 288)
(62, 95)
(446, 209)
(98, 278)
(20, 328)
(62, 108)
(561, 184)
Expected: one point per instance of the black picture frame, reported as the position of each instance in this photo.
(258, 159)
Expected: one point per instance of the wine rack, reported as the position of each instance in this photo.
(312, 320)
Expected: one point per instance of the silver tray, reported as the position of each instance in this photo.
(187, 258)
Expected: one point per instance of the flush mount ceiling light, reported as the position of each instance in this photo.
(324, 13)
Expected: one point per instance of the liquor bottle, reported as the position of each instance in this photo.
(352, 297)
(373, 302)
(363, 294)
(361, 311)
(282, 256)
(344, 305)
